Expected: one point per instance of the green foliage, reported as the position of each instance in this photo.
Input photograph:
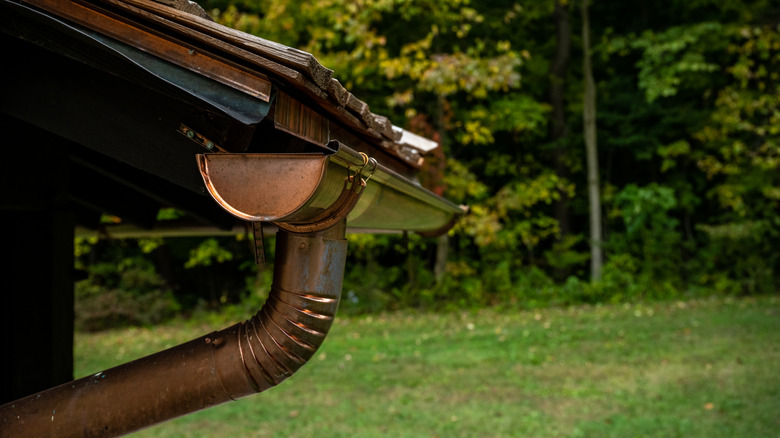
(739, 257)
(564, 253)
(122, 289)
(148, 281)
(674, 58)
(507, 220)
(166, 214)
(645, 210)
(99, 308)
(739, 154)
(369, 284)
(742, 152)
(207, 253)
(649, 250)
(688, 119)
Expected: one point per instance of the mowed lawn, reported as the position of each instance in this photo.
(703, 368)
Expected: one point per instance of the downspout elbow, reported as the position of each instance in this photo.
(244, 359)
(296, 317)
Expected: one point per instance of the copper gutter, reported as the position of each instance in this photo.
(315, 185)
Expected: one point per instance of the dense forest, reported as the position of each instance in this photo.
(608, 151)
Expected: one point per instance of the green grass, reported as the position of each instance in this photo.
(708, 368)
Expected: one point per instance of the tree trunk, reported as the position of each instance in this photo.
(440, 264)
(589, 127)
(440, 161)
(558, 71)
(558, 131)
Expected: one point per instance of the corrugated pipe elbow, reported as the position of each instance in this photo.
(241, 360)
(298, 313)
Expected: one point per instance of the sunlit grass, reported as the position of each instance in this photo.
(706, 368)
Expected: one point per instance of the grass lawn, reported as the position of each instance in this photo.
(705, 368)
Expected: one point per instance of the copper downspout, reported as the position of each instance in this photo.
(309, 197)
(244, 359)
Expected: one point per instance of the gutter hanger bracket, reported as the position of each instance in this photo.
(198, 138)
(354, 186)
(259, 246)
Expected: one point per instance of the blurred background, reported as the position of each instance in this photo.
(678, 197)
(616, 274)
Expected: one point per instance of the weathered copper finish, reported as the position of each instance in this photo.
(354, 186)
(225, 365)
(256, 187)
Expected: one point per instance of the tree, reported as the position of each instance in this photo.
(558, 128)
(589, 128)
(687, 127)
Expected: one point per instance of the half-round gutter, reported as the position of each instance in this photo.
(310, 199)
(252, 187)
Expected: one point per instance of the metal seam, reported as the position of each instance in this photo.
(243, 358)
(295, 357)
(286, 371)
(272, 374)
(267, 327)
(292, 336)
(304, 327)
(263, 372)
(318, 316)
